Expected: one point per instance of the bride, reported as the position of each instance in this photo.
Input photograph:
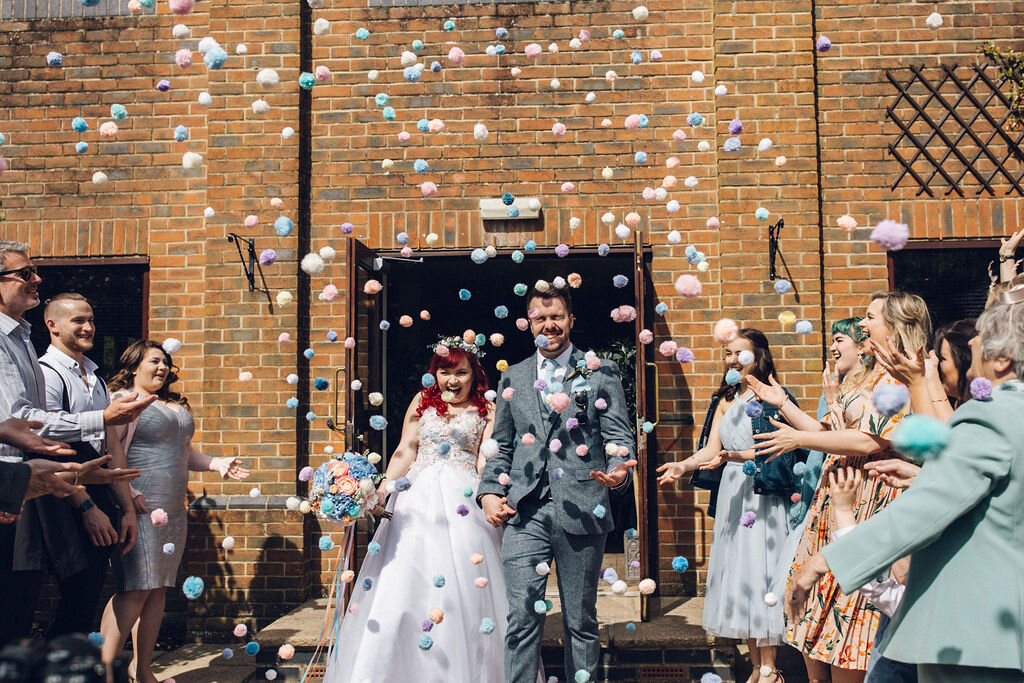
(429, 603)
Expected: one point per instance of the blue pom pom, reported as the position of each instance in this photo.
(749, 468)
(694, 119)
(426, 642)
(603, 249)
(438, 581)
(332, 336)
(435, 66)
(168, 548)
(465, 294)
(417, 45)
(921, 437)
(79, 124)
(599, 511)
(468, 491)
(320, 383)
(54, 59)
(487, 626)
(762, 214)
(283, 226)
(732, 144)
(636, 57)
(618, 33)
(402, 484)
(96, 638)
(540, 607)
(215, 57)
(292, 403)
(517, 257)
(384, 326)
(252, 648)
(449, 25)
(648, 427)
(753, 409)
(389, 113)
(710, 677)
(428, 380)
(378, 422)
(640, 157)
(557, 473)
(732, 377)
(512, 211)
(890, 399)
(661, 308)
(582, 675)
(381, 99)
(307, 80)
(326, 544)
(367, 584)
(402, 238)
(423, 125)
(783, 287)
(541, 342)
(444, 448)
(632, 534)
(804, 327)
(421, 166)
(501, 33)
(508, 199)
(362, 34)
(680, 564)
(82, 146)
(799, 468)
(192, 587)
(501, 312)
(411, 74)
(310, 416)
(644, 121)
(228, 653)
(520, 289)
(478, 256)
(530, 246)
(620, 281)
(631, 627)
(373, 547)
(117, 111)
(309, 353)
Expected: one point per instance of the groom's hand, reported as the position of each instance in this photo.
(615, 477)
(496, 509)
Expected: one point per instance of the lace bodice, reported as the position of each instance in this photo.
(454, 441)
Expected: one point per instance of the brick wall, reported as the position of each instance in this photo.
(823, 109)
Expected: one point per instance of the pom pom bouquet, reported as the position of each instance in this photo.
(344, 489)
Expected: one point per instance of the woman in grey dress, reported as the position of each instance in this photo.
(159, 444)
(750, 528)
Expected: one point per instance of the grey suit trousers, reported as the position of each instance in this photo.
(578, 560)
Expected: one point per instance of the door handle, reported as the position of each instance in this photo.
(333, 422)
(657, 395)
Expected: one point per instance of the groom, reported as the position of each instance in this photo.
(564, 440)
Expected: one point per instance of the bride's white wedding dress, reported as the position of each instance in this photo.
(436, 552)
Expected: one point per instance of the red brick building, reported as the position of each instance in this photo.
(175, 273)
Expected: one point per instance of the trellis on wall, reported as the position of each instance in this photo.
(957, 131)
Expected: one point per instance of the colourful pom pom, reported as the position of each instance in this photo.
(192, 587)
(680, 564)
(748, 518)
(890, 399)
(487, 626)
(981, 389)
(438, 581)
(753, 409)
(921, 436)
(733, 376)
(600, 511)
(890, 235)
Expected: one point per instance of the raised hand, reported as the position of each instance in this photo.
(894, 472)
(1008, 245)
(830, 382)
(904, 368)
(615, 477)
(18, 433)
(769, 393)
(126, 409)
(496, 509)
(843, 485)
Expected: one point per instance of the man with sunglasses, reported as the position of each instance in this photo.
(563, 440)
(23, 395)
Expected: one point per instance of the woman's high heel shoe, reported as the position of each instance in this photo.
(773, 674)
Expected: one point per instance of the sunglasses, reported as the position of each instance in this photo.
(25, 273)
(581, 405)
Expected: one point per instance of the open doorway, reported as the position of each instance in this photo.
(393, 361)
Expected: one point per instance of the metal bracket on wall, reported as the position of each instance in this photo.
(774, 252)
(251, 265)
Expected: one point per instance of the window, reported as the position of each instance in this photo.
(118, 289)
(952, 277)
(14, 10)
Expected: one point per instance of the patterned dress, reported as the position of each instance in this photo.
(839, 628)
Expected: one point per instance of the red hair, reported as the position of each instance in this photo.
(431, 396)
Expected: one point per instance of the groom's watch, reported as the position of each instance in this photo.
(85, 506)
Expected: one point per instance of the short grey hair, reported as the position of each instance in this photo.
(9, 246)
(1001, 327)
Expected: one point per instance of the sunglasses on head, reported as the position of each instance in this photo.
(25, 273)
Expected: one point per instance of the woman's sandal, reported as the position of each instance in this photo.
(774, 674)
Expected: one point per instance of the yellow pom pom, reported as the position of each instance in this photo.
(502, 365)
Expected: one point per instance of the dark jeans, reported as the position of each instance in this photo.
(881, 669)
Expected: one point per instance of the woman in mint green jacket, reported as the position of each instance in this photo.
(962, 521)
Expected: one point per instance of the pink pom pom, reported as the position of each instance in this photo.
(523, 324)
(714, 223)
(406, 252)
(847, 223)
(584, 35)
(286, 651)
(240, 630)
(668, 348)
(601, 404)
(646, 336)
(672, 162)
(181, 6)
(593, 363)
(503, 479)
(528, 439)
(688, 286)
(330, 293)
(648, 194)
(624, 314)
(795, 498)
(669, 182)
(633, 121)
(183, 58)
(108, 129)
(532, 313)
(568, 187)
(725, 331)
(481, 582)
(533, 50)
(582, 450)
(350, 342)
(558, 401)
(679, 135)
(251, 221)
(456, 56)
(558, 130)
(276, 203)
(555, 445)
(435, 125)
(622, 452)
(428, 189)
(347, 576)
(507, 393)
(632, 219)
(284, 338)
(442, 350)
(322, 73)
(404, 136)
(353, 607)
(158, 517)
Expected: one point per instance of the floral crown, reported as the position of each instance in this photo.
(457, 342)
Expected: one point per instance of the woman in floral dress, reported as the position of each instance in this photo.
(837, 630)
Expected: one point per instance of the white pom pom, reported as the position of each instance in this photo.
(321, 27)
(672, 206)
(622, 231)
(619, 587)
(207, 44)
(542, 568)
(480, 132)
(287, 132)
(373, 74)
(764, 145)
(559, 283)
(260, 107)
(607, 173)
(697, 77)
(171, 345)
(721, 90)
(191, 160)
(408, 58)
(329, 450)
(771, 599)
(241, 49)
(209, 212)
(640, 13)
(647, 586)
(389, 487)
(489, 448)
(99, 178)
(254, 492)
(292, 378)
(934, 20)
(356, 385)
(268, 78)
(305, 507)
(590, 97)
(205, 99)
(703, 146)
(490, 395)
(611, 449)
(376, 398)
(574, 223)
(608, 218)
(328, 253)
(691, 181)
(292, 503)
(745, 357)
(533, 204)
(675, 237)
(660, 194)
(180, 31)
(228, 543)
(312, 264)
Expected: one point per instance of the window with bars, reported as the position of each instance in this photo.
(951, 276)
(956, 132)
(24, 10)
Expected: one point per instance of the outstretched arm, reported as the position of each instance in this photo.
(504, 432)
(614, 425)
(405, 454)
(673, 471)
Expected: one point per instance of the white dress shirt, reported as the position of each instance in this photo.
(561, 363)
(85, 391)
(23, 392)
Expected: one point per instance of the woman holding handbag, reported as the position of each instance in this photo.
(752, 505)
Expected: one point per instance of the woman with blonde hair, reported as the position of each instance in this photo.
(159, 444)
(836, 630)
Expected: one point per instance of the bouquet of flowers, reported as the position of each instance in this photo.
(344, 488)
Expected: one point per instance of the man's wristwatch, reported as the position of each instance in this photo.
(86, 505)
(1003, 258)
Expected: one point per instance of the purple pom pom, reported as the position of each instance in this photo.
(735, 127)
(572, 423)
(747, 519)
(462, 510)
(823, 44)
(306, 473)
(540, 385)
(562, 250)
(427, 625)
(753, 409)
(267, 257)
(890, 399)
(347, 228)
(163, 85)
(890, 235)
(981, 389)
(684, 355)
